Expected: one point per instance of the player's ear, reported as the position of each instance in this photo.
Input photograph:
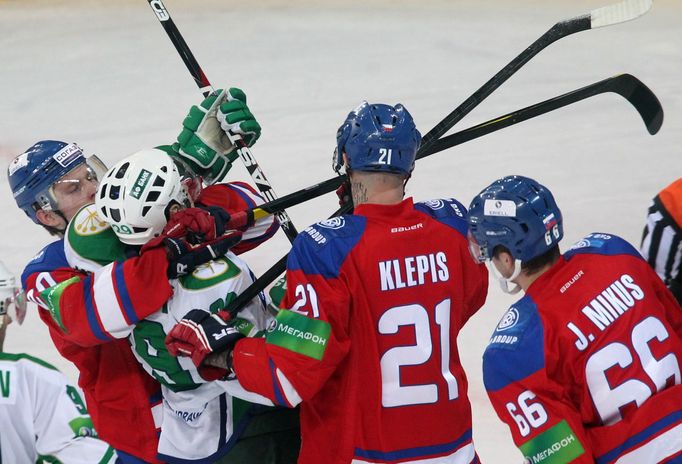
(504, 262)
(49, 218)
(174, 208)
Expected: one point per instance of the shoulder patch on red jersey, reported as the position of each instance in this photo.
(447, 211)
(602, 244)
(324, 246)
(516, 347)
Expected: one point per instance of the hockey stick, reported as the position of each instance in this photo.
(605, 16)
(626, 85)
(206, 88)
(600, 17)
(629, 87)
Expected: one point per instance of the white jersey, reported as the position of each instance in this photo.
(197, 419)
(198, 416)
(41, 415)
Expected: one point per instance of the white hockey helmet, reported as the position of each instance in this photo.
(135, 195)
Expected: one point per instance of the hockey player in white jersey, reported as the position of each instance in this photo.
(136, 197)
(42, 416)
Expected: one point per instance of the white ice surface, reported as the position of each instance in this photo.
(104, 74)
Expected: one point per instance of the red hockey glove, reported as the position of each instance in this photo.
(184, 257)
(197, 224)
(201, 333)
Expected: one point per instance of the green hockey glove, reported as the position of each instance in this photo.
(203, 144)
(236, 117)
(277, 292)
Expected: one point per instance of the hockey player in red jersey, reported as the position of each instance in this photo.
(662, 238)
(51, 182)
(374, 303)
(585, 367)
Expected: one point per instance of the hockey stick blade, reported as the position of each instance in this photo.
(643, 99)
(619, 12)
(600, 17)
(629, 87)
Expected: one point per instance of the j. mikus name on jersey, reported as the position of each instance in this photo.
(606, 307)
(413, 270)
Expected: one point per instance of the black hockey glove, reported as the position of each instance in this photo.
(184, 257)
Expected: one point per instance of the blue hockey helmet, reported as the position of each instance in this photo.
(379, 138)
(32, 174)
(518, 213)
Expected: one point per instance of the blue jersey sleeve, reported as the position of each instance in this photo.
(516, 347)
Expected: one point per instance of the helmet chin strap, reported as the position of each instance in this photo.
(504, 281)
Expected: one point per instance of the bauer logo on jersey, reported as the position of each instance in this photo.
(140, 184)
(68, 154)
(509, 320)
(333, 223)
(18, 163)
(504, 208)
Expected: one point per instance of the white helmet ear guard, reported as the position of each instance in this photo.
(135, 194)
(506, 281)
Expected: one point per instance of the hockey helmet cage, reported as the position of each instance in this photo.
(135, 195)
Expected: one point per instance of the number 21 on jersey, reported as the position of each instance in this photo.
(394, 392)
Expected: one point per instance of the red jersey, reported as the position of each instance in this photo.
(375, 301)
(585, 367)
(90, 314)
